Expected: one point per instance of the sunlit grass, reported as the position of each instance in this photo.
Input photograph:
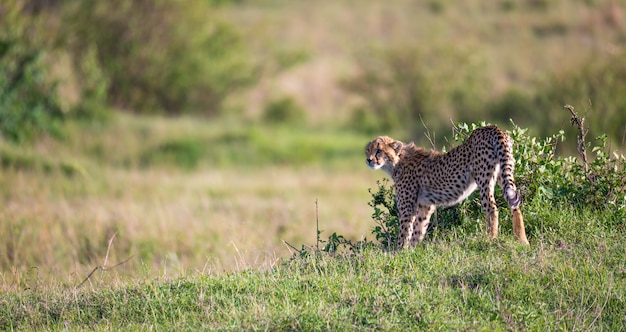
(453, 282)
(249, 188)
(202, 245)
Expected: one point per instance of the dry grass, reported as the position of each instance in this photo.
(58, 225)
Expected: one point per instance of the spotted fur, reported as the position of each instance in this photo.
(426, 179)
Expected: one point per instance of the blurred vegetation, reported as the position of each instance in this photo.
(594, 87)
(285, 110)
(252, 145)
(597, 87)
(287, 62)
(144, 56)
(160, 56)
(393, 87)
(29, 102)
(399, 88)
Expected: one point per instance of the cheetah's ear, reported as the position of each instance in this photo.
(396, 146)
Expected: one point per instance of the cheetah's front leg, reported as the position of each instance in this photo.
(407, 211)
(420, 224)
(406, 231)
(413, 224)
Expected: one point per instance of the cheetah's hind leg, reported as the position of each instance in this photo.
(518, 225)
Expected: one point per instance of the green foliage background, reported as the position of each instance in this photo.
(205, 57)
(170, 56)
(29, 104)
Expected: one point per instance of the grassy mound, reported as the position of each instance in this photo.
(567, 280)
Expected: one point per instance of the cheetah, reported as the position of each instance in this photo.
(427, 179)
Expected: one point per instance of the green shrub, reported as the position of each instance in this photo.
(94, 88)
(172, 56)
(543, 175)
(285, 110)
(392, 85)
(29, 104)
(185, 153)
(385, 214)
(399, 87)
(597, 87)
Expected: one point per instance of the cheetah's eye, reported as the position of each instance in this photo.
(379, 153)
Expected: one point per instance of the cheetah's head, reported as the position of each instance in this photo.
(383, 152)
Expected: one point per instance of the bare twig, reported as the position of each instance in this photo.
(317, 227)
(455, 128)
(106, 257)
(317, 243)
(104, 266)
(582, 150)
(580, 123)
(292, 247)
(427, 133)
(305, 247)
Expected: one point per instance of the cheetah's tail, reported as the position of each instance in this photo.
(507, 165)
(512, 197)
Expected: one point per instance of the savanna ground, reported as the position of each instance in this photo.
(197, 209)
(178, 195)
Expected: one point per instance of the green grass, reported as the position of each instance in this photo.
(202, 208)
(567, 280)
(131, 142)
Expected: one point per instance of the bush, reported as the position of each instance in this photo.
(512, 104)
(172, 56)
(385, 214)
(542, 175)
(399, 87)
(29, 104)
(392, 85)
(94, 88)
(543, 178)
(364, 120)
(597, 87)
(284, 110)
